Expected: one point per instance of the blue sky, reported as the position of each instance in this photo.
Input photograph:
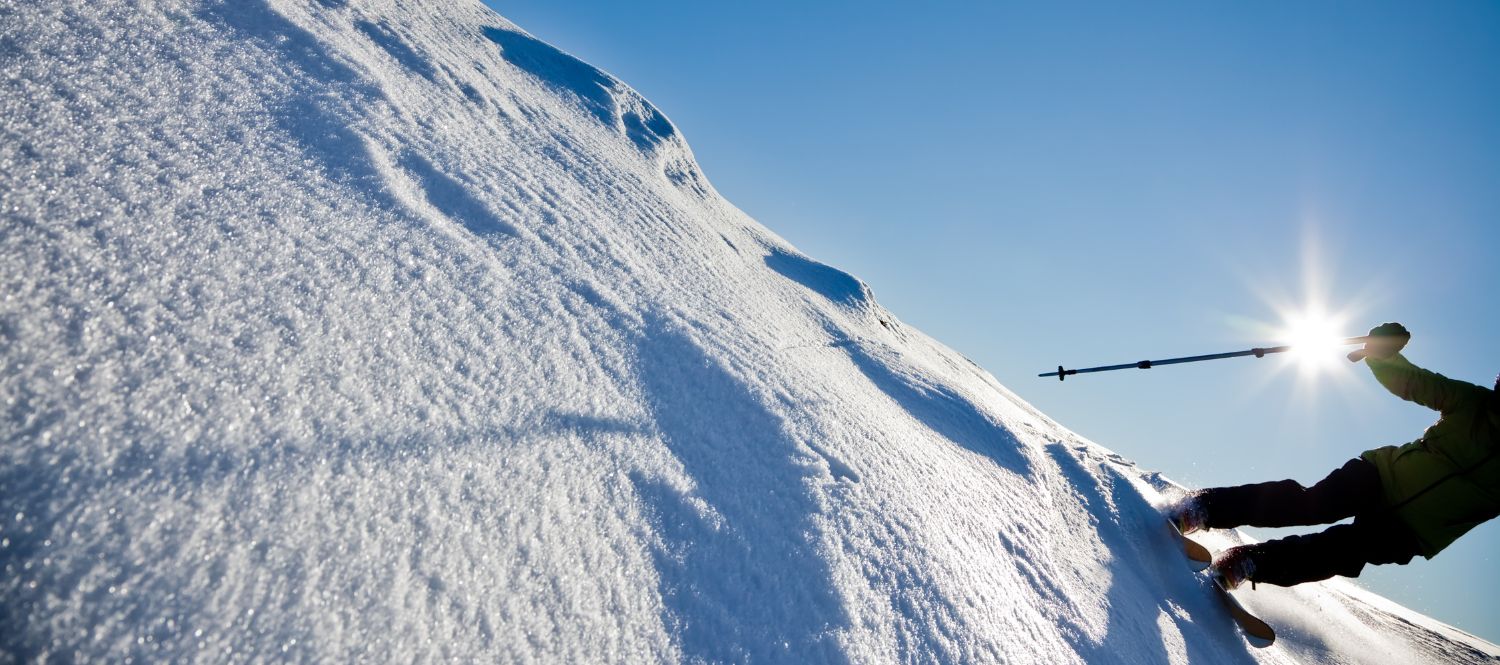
(1095, 183)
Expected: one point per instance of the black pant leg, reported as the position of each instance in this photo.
(1351, 489)
(1343, 549)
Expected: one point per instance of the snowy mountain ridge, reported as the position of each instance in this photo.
(382, 331)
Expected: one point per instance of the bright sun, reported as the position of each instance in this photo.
(1315, 332)
(1316, 339)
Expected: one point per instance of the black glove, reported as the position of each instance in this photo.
(1386, 340)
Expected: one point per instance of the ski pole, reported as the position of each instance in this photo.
(1148, 364)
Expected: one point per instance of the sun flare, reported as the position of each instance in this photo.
(1310, 314)
(1316, 338)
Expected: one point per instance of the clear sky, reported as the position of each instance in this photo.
(1096, 183)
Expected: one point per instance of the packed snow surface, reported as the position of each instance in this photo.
(383, 331)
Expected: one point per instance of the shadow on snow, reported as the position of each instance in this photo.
(946, 412)
(741, 578)
(453, 199)
(394, 46)
(320, 129)
(1147, 577)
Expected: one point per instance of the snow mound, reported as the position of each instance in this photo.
(387, 332)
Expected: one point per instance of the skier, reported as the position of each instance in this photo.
(1405, 500)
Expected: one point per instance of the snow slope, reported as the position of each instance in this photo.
(383, 331)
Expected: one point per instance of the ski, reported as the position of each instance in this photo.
(1198, 556)
(1257, 632)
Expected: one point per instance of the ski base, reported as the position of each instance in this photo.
(1258, 633)
(1198, 556)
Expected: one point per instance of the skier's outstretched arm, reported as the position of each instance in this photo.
(1424, 387)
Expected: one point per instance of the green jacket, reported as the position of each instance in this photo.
(1448, 481)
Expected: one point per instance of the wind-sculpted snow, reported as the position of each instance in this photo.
(598, 93)
(384, 331)
(831, 283)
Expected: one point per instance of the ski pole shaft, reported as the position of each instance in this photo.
(1148, 364)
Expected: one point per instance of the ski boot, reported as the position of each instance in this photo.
(1234, 567)
(1187, 514)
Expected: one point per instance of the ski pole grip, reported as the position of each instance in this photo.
(1380, 340)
